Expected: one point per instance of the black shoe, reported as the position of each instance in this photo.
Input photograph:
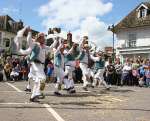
(42, 96)
(85, 89)
(92, 86)
(71, 87)
(57, 94)
(72, 91)
(108, 88)
(27, 90)
(35, 99)
(66, 89)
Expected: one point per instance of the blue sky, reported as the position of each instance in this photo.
(121, 8)
(70, 15)
(29, 15)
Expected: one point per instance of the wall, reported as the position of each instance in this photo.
(142, 35)
(143, 39)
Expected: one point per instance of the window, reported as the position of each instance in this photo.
(6, 42)
(132, 40)
(142, 13)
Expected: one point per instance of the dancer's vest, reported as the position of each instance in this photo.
(69, 57)
(34, 53)
(99, 64)
(58, 60)
(90, 61)
(81, 55)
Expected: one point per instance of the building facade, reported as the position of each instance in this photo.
(8, 31)
(133, 33)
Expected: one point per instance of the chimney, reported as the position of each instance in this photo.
(69, 38)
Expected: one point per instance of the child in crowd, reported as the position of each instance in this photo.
(50, 69)
(142, 75)
(147, 75)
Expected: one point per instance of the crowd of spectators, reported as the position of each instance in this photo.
(133, 72)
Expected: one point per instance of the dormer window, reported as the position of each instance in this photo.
(142, 11)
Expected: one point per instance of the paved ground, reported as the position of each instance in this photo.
(118, 104)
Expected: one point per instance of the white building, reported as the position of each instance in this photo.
(133, 33)
(8, 30)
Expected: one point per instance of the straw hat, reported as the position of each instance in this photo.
(39, 35)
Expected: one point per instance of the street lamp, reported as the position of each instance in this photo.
(111, 28)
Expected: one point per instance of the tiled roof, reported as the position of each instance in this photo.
(8, 24)
(132, 20)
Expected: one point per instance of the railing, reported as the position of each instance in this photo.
(134, 47)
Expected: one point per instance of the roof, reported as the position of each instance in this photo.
(10, 25)
(132, 20)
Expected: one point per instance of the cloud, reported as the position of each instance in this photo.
(78, 16)
(96, 30)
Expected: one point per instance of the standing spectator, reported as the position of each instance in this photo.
(110, 69)
(142, 75)
(24, 68)
(135, 72)
(7, 70)
(126, 73)
(118, 68)
(147, 75)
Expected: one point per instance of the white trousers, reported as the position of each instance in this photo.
(38, 75)
(86, 72)
(68, 82)
(98, 77)
(59, 74)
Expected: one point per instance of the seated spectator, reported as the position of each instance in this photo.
(15, 73)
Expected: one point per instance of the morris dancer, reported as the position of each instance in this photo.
(70, 64)
(38, 51)
(99, 68)
(59, 66)
(84, 61)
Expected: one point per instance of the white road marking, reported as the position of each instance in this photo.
(25, 103)
(7, 91)
(113, 98)
(18, 90)
(48, 107)
(53, 112)
(116, 99)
